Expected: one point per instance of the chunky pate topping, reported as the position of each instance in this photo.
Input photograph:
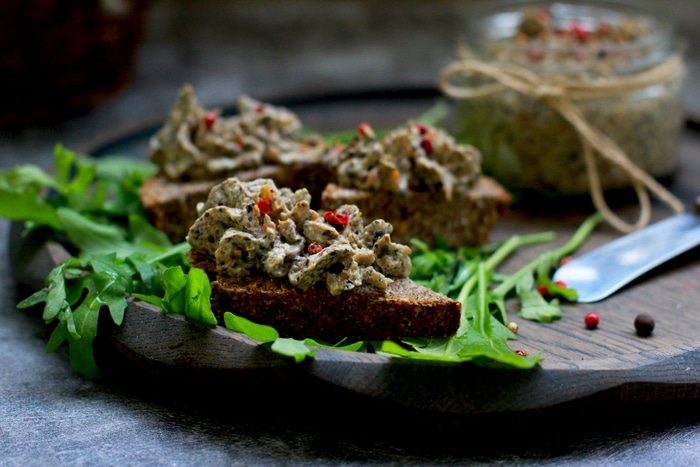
(253, 228)
(199, 144)
(413, 157)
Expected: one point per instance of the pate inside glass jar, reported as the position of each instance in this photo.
(594, 55)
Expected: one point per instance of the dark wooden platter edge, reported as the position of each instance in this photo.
(171, 348)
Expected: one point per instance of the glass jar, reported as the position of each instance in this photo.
(526, 142)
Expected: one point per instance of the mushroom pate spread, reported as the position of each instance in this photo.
(411, 157)
(254, 228)
(198, 144)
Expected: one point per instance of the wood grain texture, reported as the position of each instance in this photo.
(610, 362)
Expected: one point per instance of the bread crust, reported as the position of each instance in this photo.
(172, 206)
(465, 219)
(405, 309)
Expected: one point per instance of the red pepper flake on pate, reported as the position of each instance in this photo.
(314, 248)
(264, 206)
(335, 218)
(209, 119)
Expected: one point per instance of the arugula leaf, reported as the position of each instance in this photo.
(186, 294)
(80, 350)
(77, 290)
(64, 160)
(354, 347)
(288, 347)
(481, 338)
(30, 177)
(146, 278)
(489, 350)
(125, 171)
(543, 273)
(486, 337)
(105, 288)
(83, 176)
(292, 348)
(197, 297)
(175, 285)
(284, 346)
(92, 238)
(259, 332)
(21, 196)
(425, 350)
(533, 305)
(143, 232)
(59, 335)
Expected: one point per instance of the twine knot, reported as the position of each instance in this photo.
(560, 95)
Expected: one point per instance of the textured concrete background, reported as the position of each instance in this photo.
(267, 49)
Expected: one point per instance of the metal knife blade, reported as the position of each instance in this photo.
(603, 271)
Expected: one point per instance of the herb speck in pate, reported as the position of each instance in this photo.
(286, 238)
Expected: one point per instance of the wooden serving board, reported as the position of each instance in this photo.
(610, 363)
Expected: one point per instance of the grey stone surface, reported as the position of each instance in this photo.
(271, 48)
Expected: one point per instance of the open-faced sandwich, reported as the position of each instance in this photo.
(421, 181)
(278, 262)
(197, 148)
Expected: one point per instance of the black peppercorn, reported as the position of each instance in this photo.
(644, 324)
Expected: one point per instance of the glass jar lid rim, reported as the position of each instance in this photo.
(499, 20)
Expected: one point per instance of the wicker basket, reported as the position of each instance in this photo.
(62, 57)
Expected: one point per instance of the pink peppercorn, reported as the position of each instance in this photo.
(591, 320)
(426, 144)
(209, 119)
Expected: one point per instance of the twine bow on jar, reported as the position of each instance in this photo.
(560, 93)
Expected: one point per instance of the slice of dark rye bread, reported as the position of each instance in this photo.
(466, 219)
(405, 309)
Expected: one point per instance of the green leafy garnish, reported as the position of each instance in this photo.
(468, 275)
(23, 189)
(94, 204)
(93, 207)
(78, 289)
(297, 349)
(292, 348)
(184, 293)
(533, 305)
(259, 332)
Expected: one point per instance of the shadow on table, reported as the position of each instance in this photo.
(335, 425)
